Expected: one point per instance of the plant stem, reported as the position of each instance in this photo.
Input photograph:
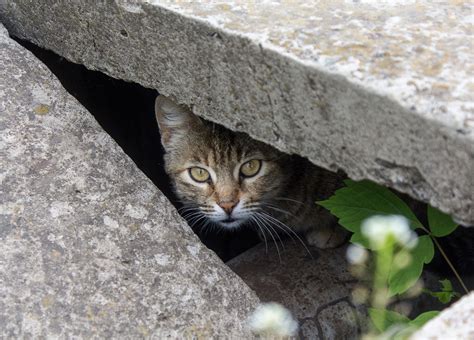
(447, 259)
(450, 264)
(380, 293)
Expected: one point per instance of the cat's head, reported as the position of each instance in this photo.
(220, 175)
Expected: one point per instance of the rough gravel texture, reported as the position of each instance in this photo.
(381, 91)
(89, 247)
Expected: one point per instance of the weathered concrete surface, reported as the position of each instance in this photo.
(455, 322)
(381, 91)
(89, 247)
(317, 291)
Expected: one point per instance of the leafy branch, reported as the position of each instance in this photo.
(398, 253)
(360, 200)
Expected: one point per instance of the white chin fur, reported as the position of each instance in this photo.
(240, 216)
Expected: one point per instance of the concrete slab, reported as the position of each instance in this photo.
(89, 247)
(454, 322)
(382, 91)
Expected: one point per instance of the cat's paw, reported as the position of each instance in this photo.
(327, 237)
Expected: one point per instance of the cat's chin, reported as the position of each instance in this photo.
(231, 224)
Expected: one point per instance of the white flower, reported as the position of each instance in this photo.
(356, 254)
(273, 319)
(379, 228)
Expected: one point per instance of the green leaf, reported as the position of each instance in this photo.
(384, 319)
(443, 297)
(423, 318)
(446, 285)
(361, 200)
(440, 223)
(446, 294)
(358, 238)
(401, 280)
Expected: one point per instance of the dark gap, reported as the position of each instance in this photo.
(126, 112)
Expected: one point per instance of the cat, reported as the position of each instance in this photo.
(228, 179)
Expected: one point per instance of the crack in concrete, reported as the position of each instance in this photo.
(320, 309)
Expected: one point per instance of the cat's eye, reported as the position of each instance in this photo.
(199, 174)
(250, 168)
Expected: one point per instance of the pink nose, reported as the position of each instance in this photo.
(228, 206)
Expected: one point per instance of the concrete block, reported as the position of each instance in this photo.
(454, 322)
(381, 91)
(89, 247)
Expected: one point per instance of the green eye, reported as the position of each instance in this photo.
(251, 168)
(199, 174)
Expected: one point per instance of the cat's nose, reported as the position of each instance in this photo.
(228, 206)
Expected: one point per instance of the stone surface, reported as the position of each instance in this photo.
(453, 323)
(316, 290)
(381, 91)
(89, 247)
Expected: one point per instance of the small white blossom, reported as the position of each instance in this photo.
(379, 228)
(356, 254)
(273, 319)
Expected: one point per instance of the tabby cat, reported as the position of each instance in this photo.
(227, 179)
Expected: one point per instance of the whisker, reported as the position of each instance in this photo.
(250, 209)
(196, 219)
(289, 229)
(278, 236)
(265, 217)
(262, 231)
(183, 210)
(276, 233)
(206, 225)
(287, 199)
(191, 213)
(190, 216)
(283, 211)
(192, 205)
(271, 234)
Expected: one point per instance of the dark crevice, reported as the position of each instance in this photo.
(126, 112)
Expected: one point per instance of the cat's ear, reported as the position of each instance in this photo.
(172, 118)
